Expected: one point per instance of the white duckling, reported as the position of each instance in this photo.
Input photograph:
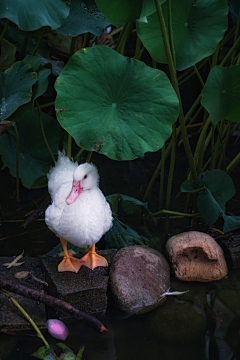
(79, 212)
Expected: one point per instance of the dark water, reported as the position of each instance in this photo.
(203, 324)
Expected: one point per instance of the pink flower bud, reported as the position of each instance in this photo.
(57, 329)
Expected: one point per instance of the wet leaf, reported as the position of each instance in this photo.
(15, 88)
(121, 235)
(198, 26)
(80, 353)
(221, 94)
(34, 156)
(83, 17)
(115, 105)
(35, 15)
(22, 274)
(7, 55)
(45, 353)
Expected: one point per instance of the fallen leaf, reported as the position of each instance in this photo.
(17, 264)
(21, 274)
(15, 260)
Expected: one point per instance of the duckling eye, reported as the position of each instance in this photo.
(85, 176)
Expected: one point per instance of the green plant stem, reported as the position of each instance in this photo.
(17, 159)
(235, 39)
(233, 163)
(72, 46)
(219, 129)
(119, 40)
(215, 56)
(27, 317)
(173, 213)
(126, 35)
(24, 45)
(170, 176)
(198, 75)
(170, 33)
(89, 156)
(4, 30)
(39, 41)
(77, 157)
(116, 31)
(86, 39)
(137, 48)
(154, 64)
(93, 40)
(176, 88)
(141, 52)
(69, 138)
(69, 147)
(162, 177)
(201, 139)
(231, 51)
(217, 146)
(156, 172)
(47, 105)
(190, 72)
(43, 133)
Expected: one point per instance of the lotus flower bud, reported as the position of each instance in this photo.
(57, 329)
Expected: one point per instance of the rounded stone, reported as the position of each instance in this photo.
(196, 256)
(139, 276)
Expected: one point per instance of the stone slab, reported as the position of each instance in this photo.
(86, 290)
(10, 316)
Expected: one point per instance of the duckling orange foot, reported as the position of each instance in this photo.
(70, 263)
(93, 260)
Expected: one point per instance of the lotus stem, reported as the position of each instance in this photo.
(4, 30)
(17, 159)
(39, 41)
(176, 88)
(43, 133)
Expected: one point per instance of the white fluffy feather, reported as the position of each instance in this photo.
(86, 220)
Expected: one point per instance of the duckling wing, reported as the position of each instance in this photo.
(60, 174)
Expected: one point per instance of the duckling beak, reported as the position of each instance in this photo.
(74, 193)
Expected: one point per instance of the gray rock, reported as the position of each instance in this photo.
(85, 290)
(139, 276)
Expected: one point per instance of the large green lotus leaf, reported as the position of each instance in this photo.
(34, 156)
(115, 105)
(198, 26)
(123, 11)
(84, 16)
(221, 93)
(7, 55)
(15, 87)
(35, 14)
